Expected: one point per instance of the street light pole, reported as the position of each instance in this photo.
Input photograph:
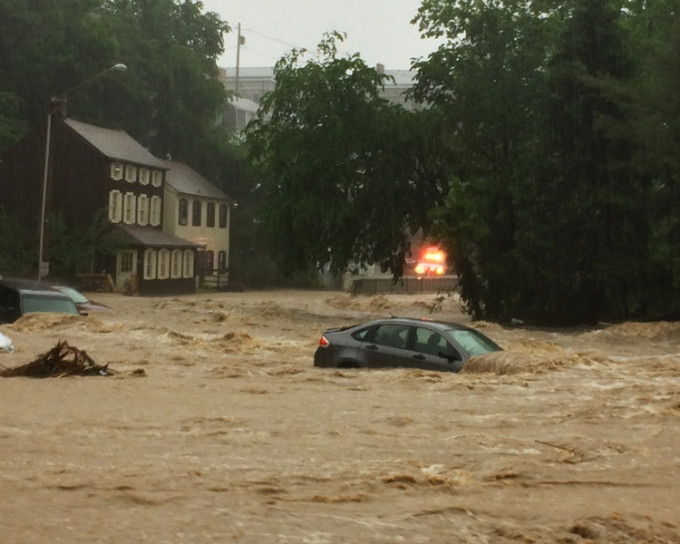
(57, 104)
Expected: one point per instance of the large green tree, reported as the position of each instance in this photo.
(487, 81)
(332, 156)
(652, 99)
(172, 89)
(562, 146)
(168, 98)
(48, 47)
(599, 213)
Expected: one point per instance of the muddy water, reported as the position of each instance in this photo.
(232, 435)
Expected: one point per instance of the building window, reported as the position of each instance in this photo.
(129, 208)
(126, 261)
(155, 214)
(222, 261)
(115, 207)
(188, 263)
(156, 178)
(223, 216)
(144, 176)
(163, 264)
(143, 210)
(116, 170)
(150, 258)
(196, 213)
(209, 263)
(176, 263)
(183, 212)
(210, 214)
(131, 173)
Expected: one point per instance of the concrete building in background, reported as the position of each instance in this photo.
(252, 84)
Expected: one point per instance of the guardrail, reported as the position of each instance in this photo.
(406, 285)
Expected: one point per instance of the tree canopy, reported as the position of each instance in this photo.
(555, 209)
(330, 152)
(167, 99)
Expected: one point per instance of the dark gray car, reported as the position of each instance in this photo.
(19, 297)
(402, 342)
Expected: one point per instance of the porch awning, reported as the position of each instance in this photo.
(150, 237)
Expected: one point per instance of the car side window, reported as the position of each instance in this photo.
(362, 334)
(430, 342)
(392, 335)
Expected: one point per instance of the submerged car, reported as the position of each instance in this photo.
(402, 342)
(84, 304)
(20, 297)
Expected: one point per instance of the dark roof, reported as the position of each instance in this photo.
(115, 144)
(149, 236)
(185, 179)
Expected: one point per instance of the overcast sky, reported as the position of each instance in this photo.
(379, 30)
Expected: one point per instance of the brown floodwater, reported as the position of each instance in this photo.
(217, 428)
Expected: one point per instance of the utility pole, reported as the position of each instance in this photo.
(240, 41)
(58, 105)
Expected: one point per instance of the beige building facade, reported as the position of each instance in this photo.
(196, 210)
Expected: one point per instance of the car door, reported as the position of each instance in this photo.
(432, 351)
(387, 346)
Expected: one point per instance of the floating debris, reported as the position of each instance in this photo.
(6, 343)
(62, 360)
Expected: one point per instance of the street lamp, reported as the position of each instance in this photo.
(56, 104)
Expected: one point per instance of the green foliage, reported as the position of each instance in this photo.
(70, 251)
(168, 98)
(73, 45)
(172, 93)
(16, 256)
(562, 145)
(332, 156)
(11, 127)
(488, 83)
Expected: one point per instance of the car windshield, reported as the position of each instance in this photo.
(75, 296)
(37, 303)
(473, 342)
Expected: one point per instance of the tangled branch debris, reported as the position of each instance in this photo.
(62, 360)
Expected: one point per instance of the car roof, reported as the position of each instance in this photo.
(31, 286)
(442, 325)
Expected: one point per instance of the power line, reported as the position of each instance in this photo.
(259, 53)
(244, 45)
(253, 31)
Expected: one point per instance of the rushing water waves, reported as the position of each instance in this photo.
(230, 433)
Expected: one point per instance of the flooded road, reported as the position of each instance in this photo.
(230, 434)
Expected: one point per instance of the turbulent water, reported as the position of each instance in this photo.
(217, 428)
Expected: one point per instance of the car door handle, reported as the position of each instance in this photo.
(419, 357)
(372, 346)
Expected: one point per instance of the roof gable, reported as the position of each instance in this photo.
(114, 144)
(186, 180)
